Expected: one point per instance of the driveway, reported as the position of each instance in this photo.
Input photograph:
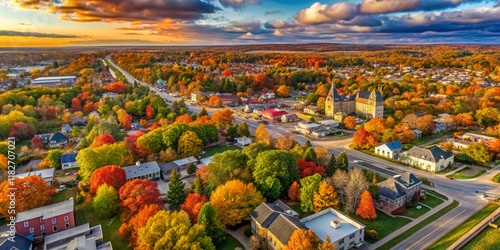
(33, 165)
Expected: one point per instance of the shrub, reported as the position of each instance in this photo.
(371, 234)
(79, 199)
(400, 210)
(496, 178)
(424, 197)
(409, 204)
(425, 181)
(248, 232)
(191, 169)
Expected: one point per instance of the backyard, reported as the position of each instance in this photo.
(218, 149)
(486, 239)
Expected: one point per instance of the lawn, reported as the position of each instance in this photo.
(470, 172)
(458, 232)
(218, 149)
(446, 170)
(84, 213)
(432, 201)
(230, 243)
(413, 212)
(390, 244)
(65, 195)
(486, 239)
(496, 178)
(439, 195)
(427, 139)
(383, 224)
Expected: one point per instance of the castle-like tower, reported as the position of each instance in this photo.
(367, 104)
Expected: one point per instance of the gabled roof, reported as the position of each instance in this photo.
(78, 120)
(390, 189)
(433, 154)
(283, 227)
(394, 145)
(141, 169)
(58, 136)
(20, 243)
(47, 212)
(267, 212)
(68, 158)
(407, 179)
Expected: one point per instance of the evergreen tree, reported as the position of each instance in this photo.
(191, 169)
(175, 194)
(310, 155)
(203, 112)
(243, 129)
(342, 161)
(198, 186)
(331, 166)
(307, 144)
(208, 218)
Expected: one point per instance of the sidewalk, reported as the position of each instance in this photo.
(410, 225)
(239, 234)
(456, 170)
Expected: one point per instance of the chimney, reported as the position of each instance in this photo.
(335, 223)
(138, 163)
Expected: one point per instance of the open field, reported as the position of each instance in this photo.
(489, 238)
(218, 149)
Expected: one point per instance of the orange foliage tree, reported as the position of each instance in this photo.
(30, 192)
(366, 209)
(283, 91)
(350, 122)
(183, 119)
(102, 139)
(112, 175)
(363, 139)
(149, 112)
(192, 205)
(302, 239)
(129, 230)
(214, 101)
(227, 72)
(294, 191)
(223, 117)
(126, 121)
(76, 104)
(137, 194)
(117, 87)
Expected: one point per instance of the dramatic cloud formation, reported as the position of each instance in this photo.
(322, 13)
(33, 34)
(388, 6)
(237, 4)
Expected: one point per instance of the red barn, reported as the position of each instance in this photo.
(46, 220)
(273, 114)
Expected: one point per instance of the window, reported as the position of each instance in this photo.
(42, 227)
(32, 230)
(66, 218)
(54, 229)
(341, 241)
(54, 220)
(26, 224)
(351, 236)
(67, 225)
(41, 219)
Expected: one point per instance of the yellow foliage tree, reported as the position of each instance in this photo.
(302, 240)
(325, 197)
(262, 135)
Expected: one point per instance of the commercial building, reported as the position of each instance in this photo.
(148, 170)
(46, 174)
(367, 104)
(289, 118)
(273, 114)
(54, 81)
(178, 165)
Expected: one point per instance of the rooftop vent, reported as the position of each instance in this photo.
(138, 163)
(335, 223)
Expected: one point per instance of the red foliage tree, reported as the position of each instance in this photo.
(294, 191)
(50, 113)
(129, 230)
(21, 131)
(137, 194)
(112, 175)
(307, 168)
(117, 87)
(126, 121)
(363, 139)
(76, 104)
(193, 204)
(89, 107)
(149, 112)
(102, 139)
(37, 142)
(155, 126)
(131, 142)
(227, 72)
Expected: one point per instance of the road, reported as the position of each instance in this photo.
(460, 190)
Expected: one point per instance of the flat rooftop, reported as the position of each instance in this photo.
(319, 223)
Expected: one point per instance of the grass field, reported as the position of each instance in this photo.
(383, 224)
(439, 195)
(489, 238)
(118, 74)
(468, 173)
(64, 195)
(390, 244)
(458, 232)
(218, 149)
(432, 201)
(230, 243)
(413, 212)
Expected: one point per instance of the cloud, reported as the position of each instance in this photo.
(273, 12)
(243, 27)
(390, 6)
(250, 36)
(322, 13)
(237, 4)
(24, 24)
(34, 34)
(123, 10)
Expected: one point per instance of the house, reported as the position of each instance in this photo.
(69, 161)
(440, 126)
(276, 222)
(250, 107)
(46, 220)
(311, 110)
(432, 159)
(80, 237)
(148, 170)
(460, 144)
(56, 139)
(197, 96)
(307, 128)
(110, 95)
(417, 133)
(273, 114)
(229, 100)
(46, 174)
(390, 149)
(243, 141)
(289, 118)
(329, 124)
(18, 242)
(397, 190)
(78, 121)
(178, 165)
(477, 137)
(66, 128)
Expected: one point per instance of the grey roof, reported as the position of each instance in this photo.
(169, 166)
(141, 170)
(283, 226)
(267, 212)
(20, 243)
(433, 154)
(363, 94)
(186, 161)
(390, 189)
(78, 120)
(47, 212)
(394, 145)
(81, 237)
(407, 179)
(44, 173)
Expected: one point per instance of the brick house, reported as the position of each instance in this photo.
(397, 190)
(46, 220)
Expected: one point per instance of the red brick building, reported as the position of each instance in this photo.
(46, 220)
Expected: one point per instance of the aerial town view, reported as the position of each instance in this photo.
(250, 124)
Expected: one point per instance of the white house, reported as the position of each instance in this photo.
(432, 159)
(46, 174)
(148, 170)
(390, 149)
(68, 161)
(243, 141)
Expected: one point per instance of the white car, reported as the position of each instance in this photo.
(357, 161)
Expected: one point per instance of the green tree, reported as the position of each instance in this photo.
(342, 161)
(54, 157)
(191, 169)
(243, 129)
(208, 218)
(307, 144)
(228, 165)
(478, 152)
(279, 164)
(175, 194)
(308, 186)
(271, 188)
(106, 201)
(253, 150)
(203, 112)
(198, 185)
(331, 166)
(310, 155)
(90, 159)
(189, 144)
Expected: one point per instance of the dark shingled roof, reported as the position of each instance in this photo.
(390, 189)
(407, 179)
(20, 242)
(283, 226)
(433, 154)
(266, 212)
(394, 145)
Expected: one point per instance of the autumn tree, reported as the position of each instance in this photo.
(322, 156)
(227, 72)
(90, 159)
(105, 202)
(342, 161)
(37, 142)
(173, 230)
(350, 122)
(185, 118)
(129, 230)
(30, 192)
(21, 131)
(366, 209)
(294, 191)
(112, 175)
(175, 194)
(283, 91)
(117, 87)
(102, 139)
(137, 194)
(222, 117)
(243, 129)
(261, 135)
(478, 152)
(302, 239)
(325, 197)
(285, 142)
(364, 139)
(327, 244)
(126, 121)
(308, 186)
(189, 144)
(149, 112)
(234, 201)
(76, 104)
(53, 158)
(208, 218)
(193, 204)
(307, 168)
(354, 187)
(274, 170)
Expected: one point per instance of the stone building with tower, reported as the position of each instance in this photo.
(364, 103)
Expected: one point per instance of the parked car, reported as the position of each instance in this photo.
(62, 187)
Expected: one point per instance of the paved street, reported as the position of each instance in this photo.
(460, 190)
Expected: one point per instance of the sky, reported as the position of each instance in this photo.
(52, 23)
